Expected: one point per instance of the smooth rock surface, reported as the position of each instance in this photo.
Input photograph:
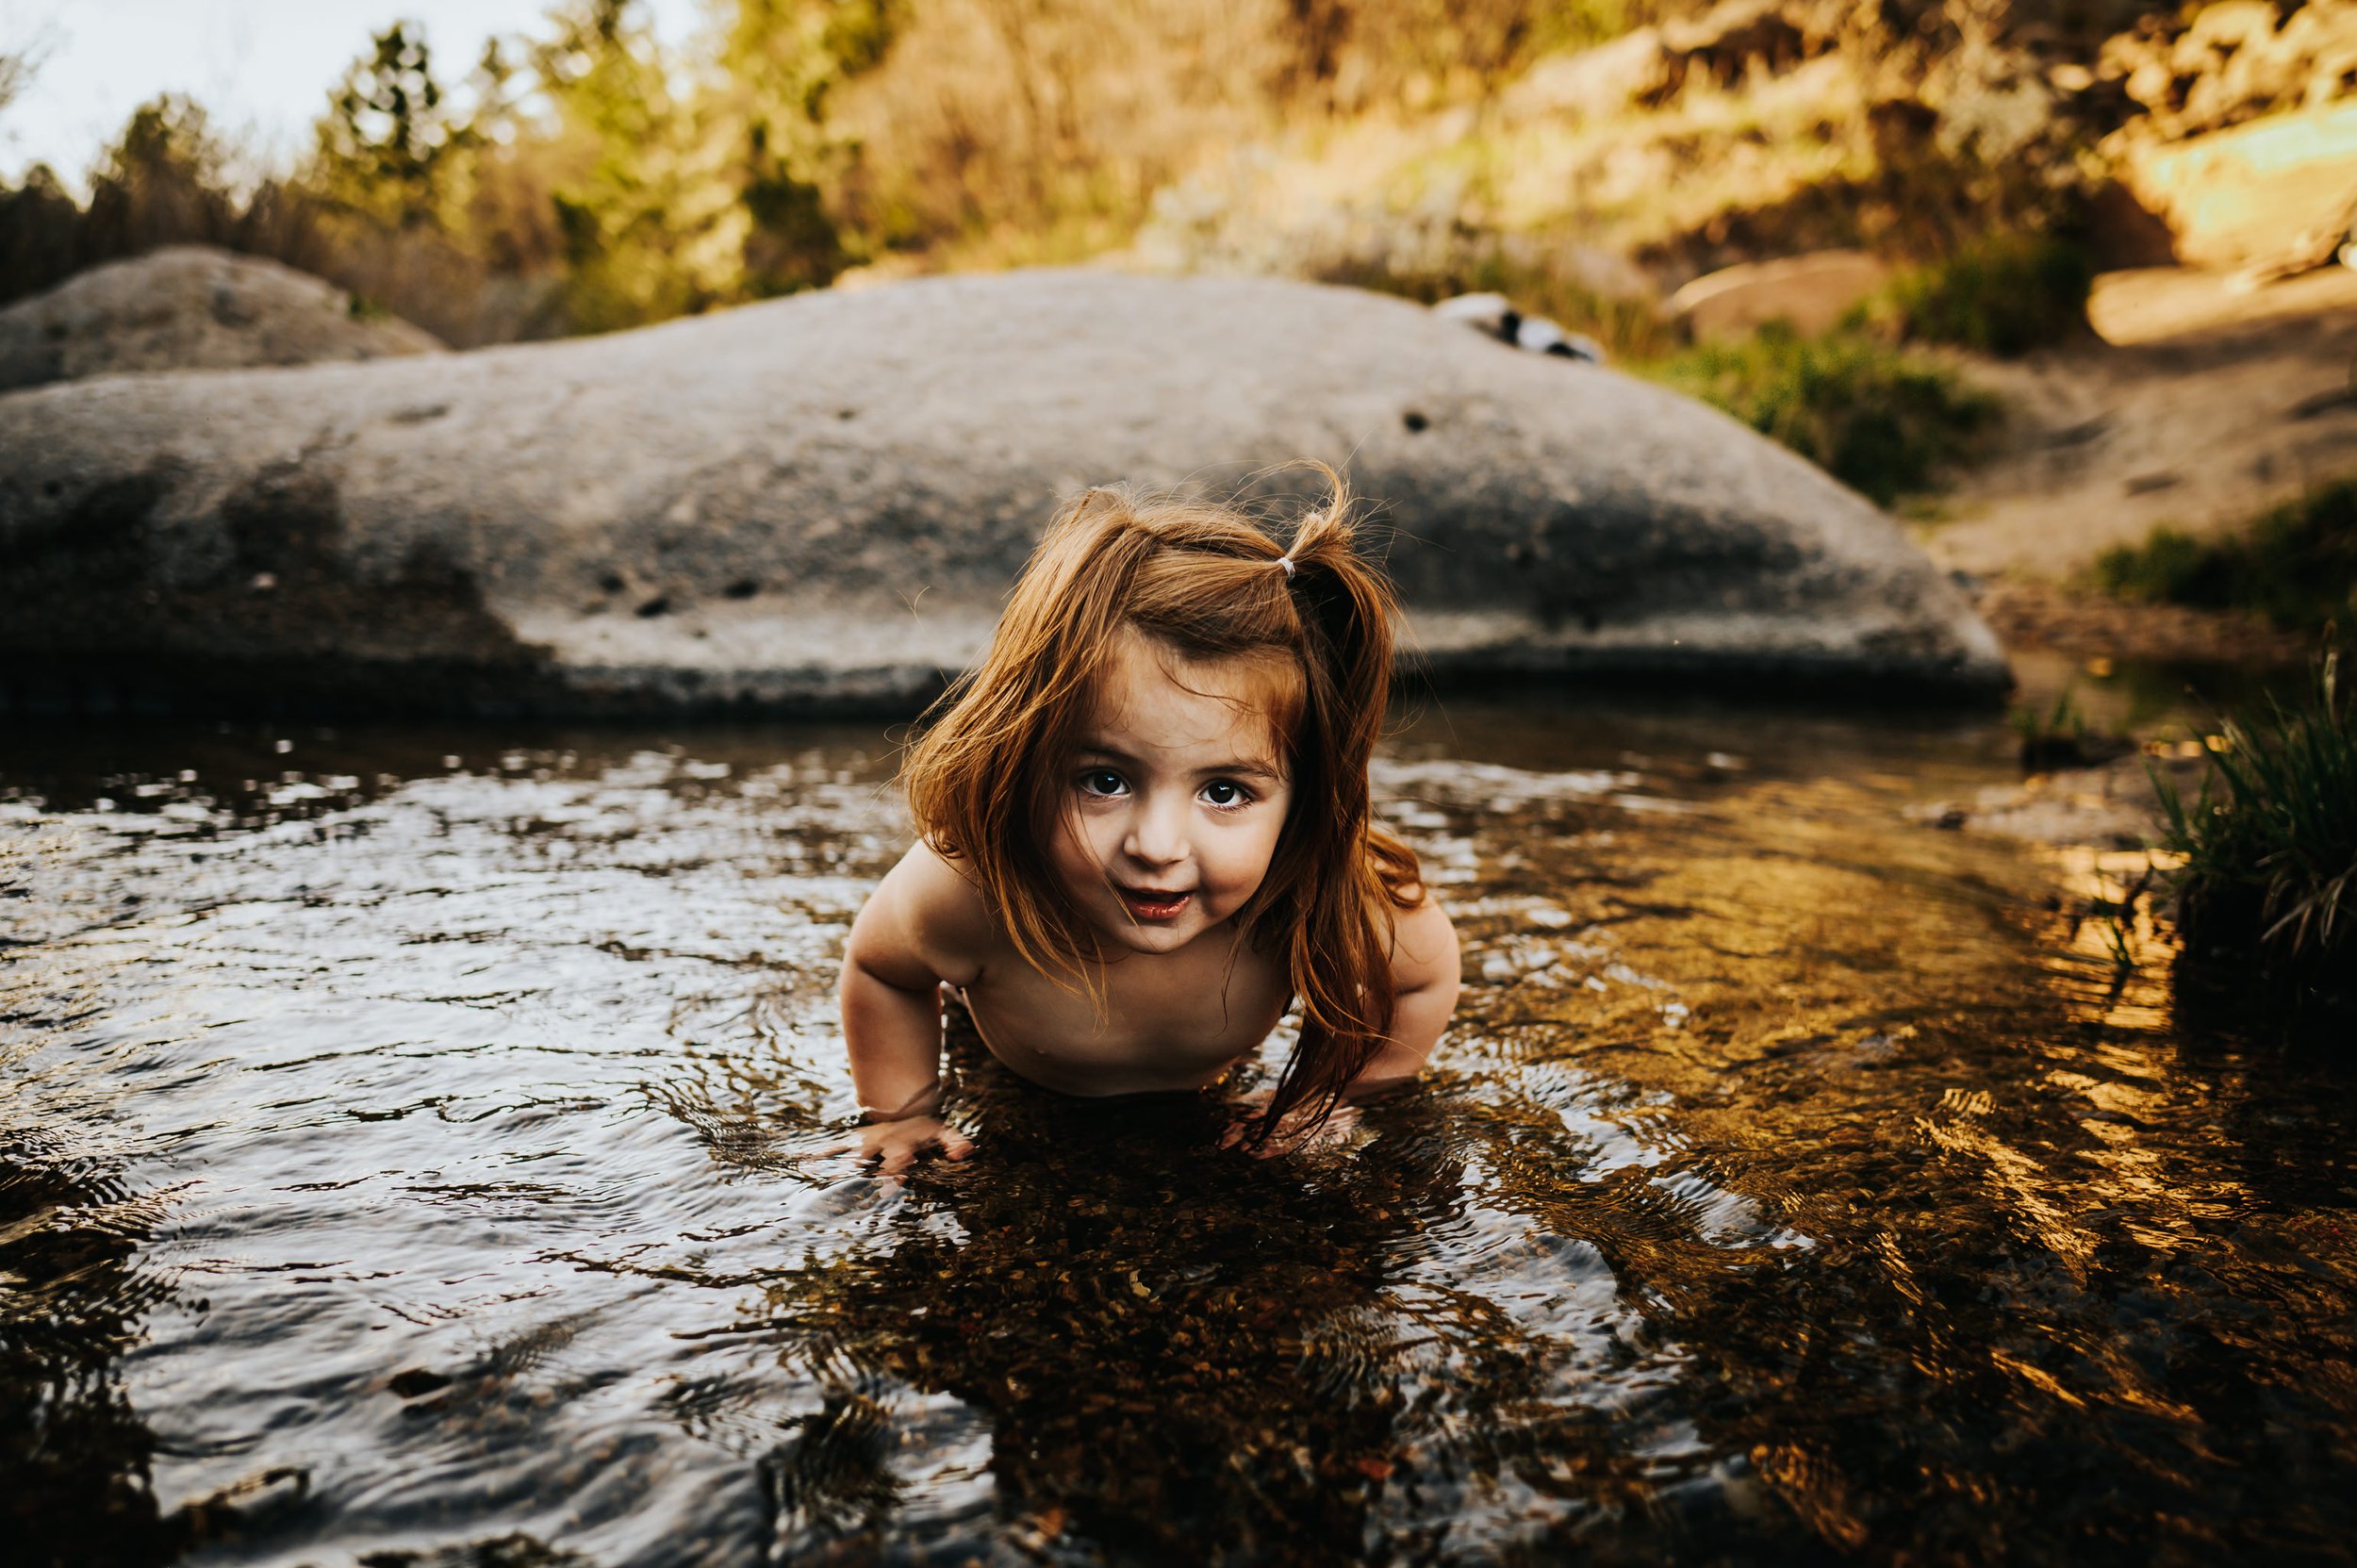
(1811, 292)
(191, 308)
(820, 501)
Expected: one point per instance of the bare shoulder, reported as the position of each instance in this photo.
(926, 917)
(1424, 945)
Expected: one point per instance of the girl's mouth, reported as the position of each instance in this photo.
(1153, 904)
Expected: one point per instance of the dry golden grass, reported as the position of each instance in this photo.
(1041, 130)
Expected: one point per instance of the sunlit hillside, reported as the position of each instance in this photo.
(1599, 151)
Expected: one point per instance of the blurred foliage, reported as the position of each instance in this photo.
(1355, 56)
(1881, 421)
(2004, 294)
(633, 218)
(162, 182)
(587, 176)
(389, 140)
(16, 70)
(2295, 565)
(577, 181)
(781, 62)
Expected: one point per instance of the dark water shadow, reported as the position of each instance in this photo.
(1179, 1351)
(74, 1457)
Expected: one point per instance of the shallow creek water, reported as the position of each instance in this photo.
(402, 1161)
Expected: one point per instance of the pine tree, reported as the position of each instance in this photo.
(388, 142)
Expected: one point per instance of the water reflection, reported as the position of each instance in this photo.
(1167, 1351)
(74, 1455)
(409, 1164)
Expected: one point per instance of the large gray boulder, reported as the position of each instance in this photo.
(820, 501)
(189, 308)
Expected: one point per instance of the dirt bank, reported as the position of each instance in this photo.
(2197, 405)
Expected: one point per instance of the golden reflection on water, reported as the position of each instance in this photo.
(2116, 931)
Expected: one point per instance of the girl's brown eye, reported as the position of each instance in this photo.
(1221, 793)
(1102, 781)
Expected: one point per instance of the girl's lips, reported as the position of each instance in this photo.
(1153, 905)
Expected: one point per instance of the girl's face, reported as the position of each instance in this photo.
(1173, 800)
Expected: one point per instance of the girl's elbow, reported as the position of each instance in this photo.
(1398, 1065)
(860, 974)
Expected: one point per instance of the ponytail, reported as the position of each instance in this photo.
(1343, 873)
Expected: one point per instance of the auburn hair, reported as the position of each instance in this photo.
(1204, 580)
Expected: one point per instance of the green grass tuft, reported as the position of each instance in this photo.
(2003, 294)
(1881, 421)
(2296, 565)
(2061, 737)
(2270, 843)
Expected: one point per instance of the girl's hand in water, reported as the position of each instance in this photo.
(893, 1146)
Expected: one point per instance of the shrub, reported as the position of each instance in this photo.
(2295, 565)
(1879, 420)
(2270, 843)
(2001, 295)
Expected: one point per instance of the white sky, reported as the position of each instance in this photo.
(261, 68)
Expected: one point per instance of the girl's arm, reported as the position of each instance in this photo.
(1423, 981)
(1425, 967)
(924, 925)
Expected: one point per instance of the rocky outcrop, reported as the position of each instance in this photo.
(1747, 130)
(2275, 194)
(2203, 69)
(1717, 135)
(191, 307)
(819, 501)
(2246, 145)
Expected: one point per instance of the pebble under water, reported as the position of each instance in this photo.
(404, 1162)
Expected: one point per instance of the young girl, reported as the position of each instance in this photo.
(1143, 829)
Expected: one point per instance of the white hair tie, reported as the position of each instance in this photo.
(1287, 562)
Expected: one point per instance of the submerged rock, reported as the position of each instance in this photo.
(820, 501)
(2112, 804)
(191, 307)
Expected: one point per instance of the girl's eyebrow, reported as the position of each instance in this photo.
(1250, 770)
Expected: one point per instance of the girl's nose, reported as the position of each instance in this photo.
(1158, 834)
